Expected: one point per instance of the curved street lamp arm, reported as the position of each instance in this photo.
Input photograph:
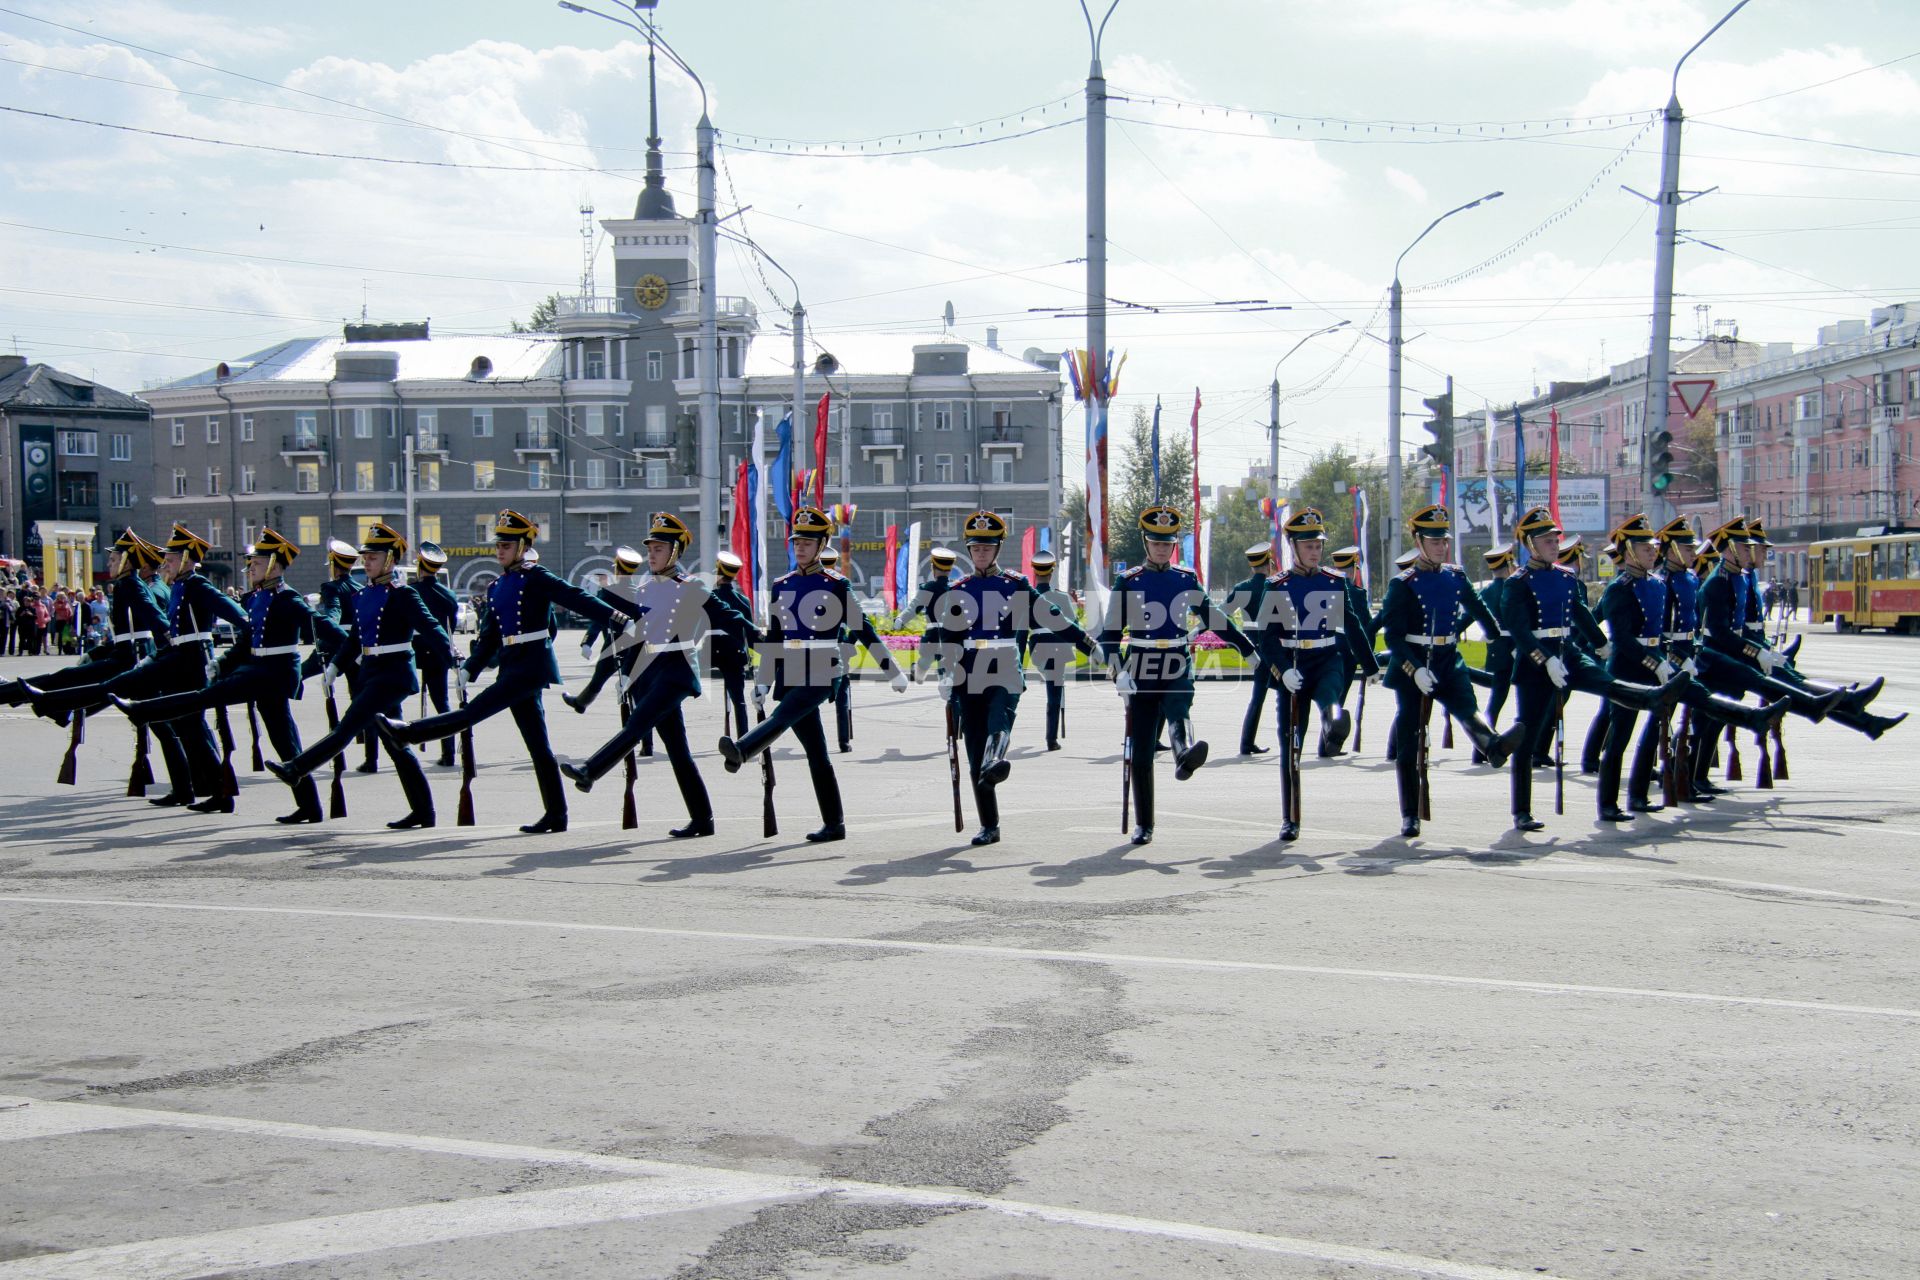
(1491, 195)
(1702, 40)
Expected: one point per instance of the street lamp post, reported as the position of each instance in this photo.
(1273, 411)
(706, 231)
(1394, 344)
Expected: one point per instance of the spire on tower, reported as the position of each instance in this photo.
(655, 202)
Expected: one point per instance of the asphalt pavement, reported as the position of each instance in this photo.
(1684, 1048)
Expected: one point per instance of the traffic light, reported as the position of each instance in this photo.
(1440, 426)
(1660, 461)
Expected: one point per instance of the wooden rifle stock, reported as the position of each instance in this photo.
(629, 814)
(1360, 716)
(1779, 753)
(1296, 740)
(229, 783)
(70, 765)
(1559, 752)
(769, 821)
(1126, 770)
(464, 816)
(1669, 761)
(1734, 772)
(953, 759)
(337, 800)
(142, 775)
(253, 727)
(1426, 791)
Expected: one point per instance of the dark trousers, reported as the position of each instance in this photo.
(380, 693)
(657, 708)
(983, 713)
(266, 689)
(1148, 711)
(528, 713)
(733, 683)
(797, 707)
(1500, 678)
(843, 710)
(186, 744)
(1453, 690)
(1056, 711)
(1256, 705)
(1595, 745)
(603, 670)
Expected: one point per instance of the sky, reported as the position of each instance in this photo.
(1276, 154)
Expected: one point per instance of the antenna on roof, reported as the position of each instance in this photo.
(363, 299)
(586, 252)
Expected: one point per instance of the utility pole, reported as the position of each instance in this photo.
(708, 232)
(1273, 440)
(1660, 349)
(1097, 245)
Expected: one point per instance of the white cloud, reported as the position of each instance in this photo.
(190, 32)
(1600, 26)
(1406, 184)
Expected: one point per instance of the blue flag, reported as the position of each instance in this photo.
(780, 477)
(1519, 476)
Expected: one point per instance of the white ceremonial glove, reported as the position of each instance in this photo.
(1291, 679)
(946, 686)
(328, 675)
(1691, 667)
(760, 692)
(1557, 672)
(461, 678)
(1605, 651)
(1126, 684)
(899, 681)
(1769, 660)
(1423, 681)
(213, 669)
(586, 650)
(1666, 671)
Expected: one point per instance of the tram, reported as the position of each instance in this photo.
(1871, 579)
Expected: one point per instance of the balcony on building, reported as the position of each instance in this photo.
(1007, 437)
(875, 438)
(430, 444)
(302, 444)
(658, 442)
(544, 442)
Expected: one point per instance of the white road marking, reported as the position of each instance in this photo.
(653, 1187)
(24, 1118)
(1005, 953)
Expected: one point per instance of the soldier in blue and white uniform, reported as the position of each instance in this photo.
(672, 610)
(333, 619)
(1421, 618)
(1307, 638)
(941, 561)
(980, 627)
(445, 608)
(1638, 609)
(262, 667)
(1152, 607)
(132, 620)
(843, 687)
(800, 652)
(386, 620)
(519, 634)
(1243, 602)
(1346, 563)
(626, 563)
(733, 662)
(1052, 659)
(1499, 662)
(1545, 607)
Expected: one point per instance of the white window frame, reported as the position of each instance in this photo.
(483, 423)
(120, 494)
(596, 473)
(484, 477)
(247, 481)
(599, 531)
(306, 430)
(179, 482)
(306, 477)
(428, 478)
(363, 477)
(213, 428)
(120, 448)
(79, 444)
(656, 473)
(216, 531)
(656, 365)
(426, 429)
(538, 476)
(214, 480)
(246, 436)
(362, 423)
(596, 420)
(178, 431)
(943, 468)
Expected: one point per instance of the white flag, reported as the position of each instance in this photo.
(762, 580)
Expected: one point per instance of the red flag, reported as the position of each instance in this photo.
(743, 522)
(1026, 550)
(1553, 465)
(891, 586)
(820, 449)
(1198, 566)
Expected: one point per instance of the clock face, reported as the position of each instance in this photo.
(650, 291)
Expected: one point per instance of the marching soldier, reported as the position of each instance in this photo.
(731, 659)
(1151, 606)
(980, 626)
(941, 559)
(1052, 660)
(1638, 608)
(1243, 601)
(801, 653)
(518, 635)
(262, 667)
(1346, 563)
(333, 619)
(626, 563)
(1545, 607)
(670, 608)
(1309, 638)
(386, 624)
(445, 609)
(1500, 565)
(1754, 666)
(132, 620)
(842, 687)
(1421, 619)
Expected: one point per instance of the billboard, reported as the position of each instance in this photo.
(1583, 504)
(36, 486)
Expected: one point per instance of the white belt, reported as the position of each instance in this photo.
(1551, 633)
(1679, 635)
(381, 650)
(1756, 626)
(1503, 633)
(527, 637)
(1321, 643)
(1002, 643)
(1430, 641)
(1175, 642)
(678, 646)
(130, 635)
(277, 650)
(811, 644)
(193, 635)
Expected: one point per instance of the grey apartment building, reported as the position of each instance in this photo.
(591, 428)
(79, 470)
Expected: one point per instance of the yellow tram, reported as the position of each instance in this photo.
(1869, 580)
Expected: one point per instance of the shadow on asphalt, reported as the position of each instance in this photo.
(941, 862)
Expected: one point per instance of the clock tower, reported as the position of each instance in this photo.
(654, 263)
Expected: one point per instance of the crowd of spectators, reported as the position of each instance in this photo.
(36, 622)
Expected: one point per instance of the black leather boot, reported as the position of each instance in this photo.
(1188, 754)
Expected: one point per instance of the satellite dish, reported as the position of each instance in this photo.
(826, 364)
(949, 316)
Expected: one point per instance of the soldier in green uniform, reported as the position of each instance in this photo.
(1243, 602)
(1151, 606)
(1499, 664)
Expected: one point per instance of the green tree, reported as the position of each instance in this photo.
(1130, 484)
(1237, 525)
(541, 318)
(1328, 483)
